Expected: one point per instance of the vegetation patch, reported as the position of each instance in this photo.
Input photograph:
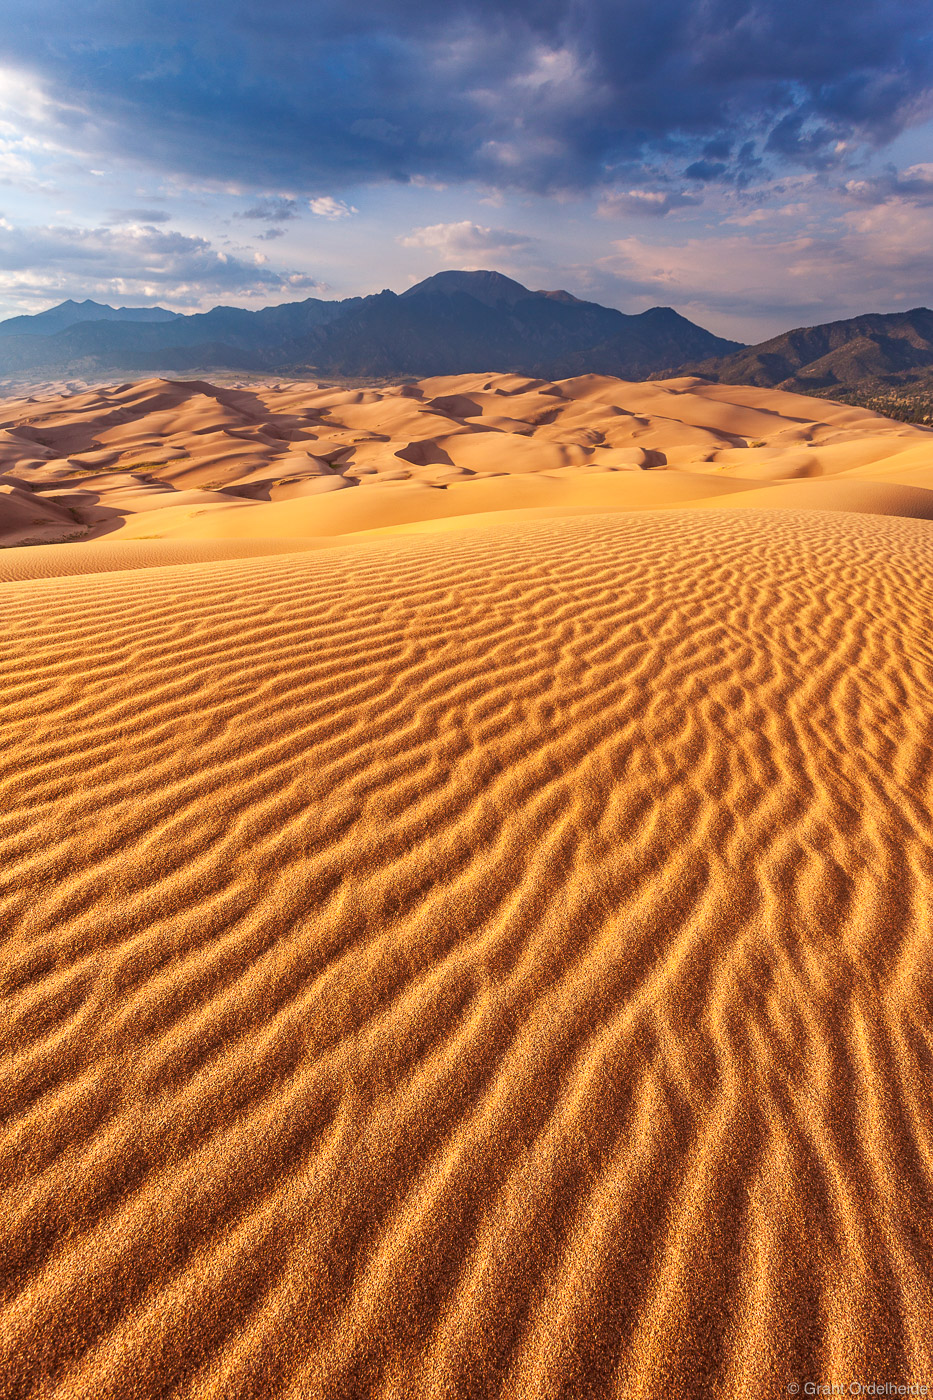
(909, 404)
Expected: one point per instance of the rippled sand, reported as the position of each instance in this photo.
(476, 964)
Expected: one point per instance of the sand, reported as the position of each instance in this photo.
(485, 959)
(195, 461)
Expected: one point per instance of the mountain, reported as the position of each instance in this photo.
(441, 327)
(71, 313)
(866, 354)
(457, 322)
(453, 322)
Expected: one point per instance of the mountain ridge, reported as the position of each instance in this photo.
(452, 322)
(869, 353)
(70, 313)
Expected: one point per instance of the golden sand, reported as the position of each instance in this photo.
(490, 961)
(194, 462)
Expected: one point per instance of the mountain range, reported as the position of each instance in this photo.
(451, 323)
(866, 354)
(457, 322)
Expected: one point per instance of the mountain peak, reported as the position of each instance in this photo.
(491, 288)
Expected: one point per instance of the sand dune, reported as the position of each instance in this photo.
(193, 461)
(483, 961)
(107, 557)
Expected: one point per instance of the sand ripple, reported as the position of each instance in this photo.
(491, 964)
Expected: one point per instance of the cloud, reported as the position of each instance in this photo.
(913, 185)
(138, 216)
(870, 260)
(142, 263)
(705, 170)
(755, 216)
(454, 242)
(274, 209)
(537, 94)
(653, 204)
(328, 208)
(763, 215)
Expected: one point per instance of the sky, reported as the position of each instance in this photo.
(756, 165)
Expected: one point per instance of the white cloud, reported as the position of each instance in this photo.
(757, 216)
(452, 242)
(327, 207)
(23, 100)
(132, 262)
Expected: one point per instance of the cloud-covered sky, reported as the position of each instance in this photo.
(755, 163)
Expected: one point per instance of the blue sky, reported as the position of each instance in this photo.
(755, 165)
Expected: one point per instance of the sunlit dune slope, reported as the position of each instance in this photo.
(107, 557)
(484, 964)
(164, 459)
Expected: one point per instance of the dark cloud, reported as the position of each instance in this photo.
(719, 149)
(536, 93)
(913, 186)
(706, 170)
(272, 209)
(804, 143)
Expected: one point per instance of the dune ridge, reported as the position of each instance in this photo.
(484, 963)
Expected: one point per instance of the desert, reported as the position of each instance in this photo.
(192, 461)
(466, 692)
(467, 881)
